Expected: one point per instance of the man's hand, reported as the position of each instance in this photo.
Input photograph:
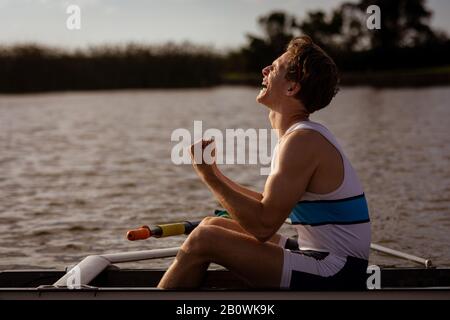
(203, 155)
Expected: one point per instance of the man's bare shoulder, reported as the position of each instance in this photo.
(299, 139)
(300, 147)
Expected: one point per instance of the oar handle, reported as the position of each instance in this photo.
(142, 233)
(162, 230)
(170, 229)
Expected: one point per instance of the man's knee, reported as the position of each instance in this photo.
(199, 241)
(214, 221)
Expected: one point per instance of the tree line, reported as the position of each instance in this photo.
(32, 68)
(405, 41)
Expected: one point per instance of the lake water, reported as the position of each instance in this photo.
(77, 170)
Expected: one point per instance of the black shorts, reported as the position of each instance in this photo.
(300, 267)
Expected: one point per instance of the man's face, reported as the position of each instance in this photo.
(275, 84)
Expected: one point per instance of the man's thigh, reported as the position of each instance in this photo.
(260, 264)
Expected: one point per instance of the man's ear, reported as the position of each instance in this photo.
(293, 89)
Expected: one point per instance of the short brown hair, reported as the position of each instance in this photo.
(314, 70)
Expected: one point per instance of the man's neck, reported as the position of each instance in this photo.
(282, 121)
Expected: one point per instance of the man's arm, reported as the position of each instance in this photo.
(297, 161)
(236, 186)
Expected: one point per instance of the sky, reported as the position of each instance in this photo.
(221, 24)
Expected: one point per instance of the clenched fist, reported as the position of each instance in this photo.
(203, 154)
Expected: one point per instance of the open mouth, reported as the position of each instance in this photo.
(264, 86)
(263, 90)
(264, 83)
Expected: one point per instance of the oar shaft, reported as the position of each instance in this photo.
(141, 255)
(426, 262)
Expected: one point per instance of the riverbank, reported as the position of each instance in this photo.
(167, 79)
(392, 78)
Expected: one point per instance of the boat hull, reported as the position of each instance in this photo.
(139, 284)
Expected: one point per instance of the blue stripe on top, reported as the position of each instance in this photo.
(343, 211)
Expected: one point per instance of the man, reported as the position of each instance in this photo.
(311, 181)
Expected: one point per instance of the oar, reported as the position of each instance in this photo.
(426, 262)
(186, 227)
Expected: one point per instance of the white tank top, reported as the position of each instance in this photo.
(337, 222)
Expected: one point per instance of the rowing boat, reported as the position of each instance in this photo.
(396, 283)
(99, 277)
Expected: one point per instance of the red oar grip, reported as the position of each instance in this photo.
(139, 234)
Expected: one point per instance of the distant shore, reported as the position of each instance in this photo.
(380, 79)
(390, 78)
(34, 68)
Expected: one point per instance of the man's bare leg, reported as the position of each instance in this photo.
(259, 264)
